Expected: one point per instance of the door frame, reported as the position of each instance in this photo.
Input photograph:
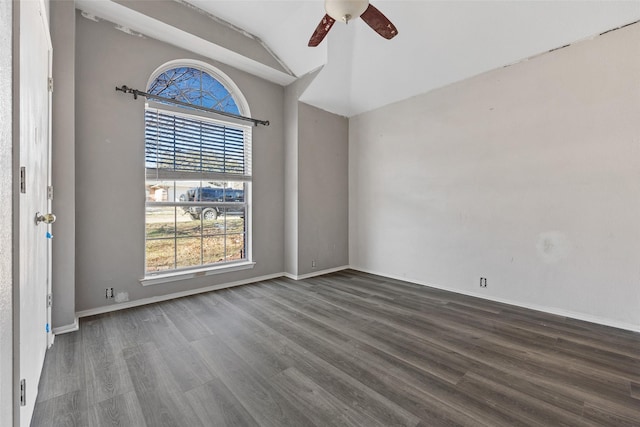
(15, 183)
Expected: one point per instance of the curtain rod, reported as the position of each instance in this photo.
(137, 93)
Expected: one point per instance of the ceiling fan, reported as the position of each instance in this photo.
(347, 10)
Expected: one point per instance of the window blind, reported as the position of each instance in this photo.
(179, 143)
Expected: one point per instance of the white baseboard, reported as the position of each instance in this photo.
(315, 273)
(67, 328)
(151, 300)
(144, 301)
(551, 310)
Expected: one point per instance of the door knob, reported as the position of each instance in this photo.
(46, 218)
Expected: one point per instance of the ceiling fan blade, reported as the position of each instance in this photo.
(321, 30)
(380, 24)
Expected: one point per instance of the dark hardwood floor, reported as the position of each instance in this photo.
(346, 349)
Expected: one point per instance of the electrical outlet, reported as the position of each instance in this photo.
(108, 293)
(483, 282)
(313, 264)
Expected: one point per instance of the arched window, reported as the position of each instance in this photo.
(198, 172)
(193, 86)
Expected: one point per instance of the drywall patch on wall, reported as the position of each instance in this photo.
(122, 297)
(553, 246)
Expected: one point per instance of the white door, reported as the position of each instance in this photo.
(34, 238)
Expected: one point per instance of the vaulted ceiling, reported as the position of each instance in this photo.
(439, 42)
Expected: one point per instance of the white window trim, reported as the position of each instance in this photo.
(176, 275)
(243, 107)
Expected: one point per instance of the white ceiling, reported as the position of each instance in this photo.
(439, 42)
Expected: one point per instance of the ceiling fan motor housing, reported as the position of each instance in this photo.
(345, 10)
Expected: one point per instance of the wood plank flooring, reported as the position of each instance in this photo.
(346, 349)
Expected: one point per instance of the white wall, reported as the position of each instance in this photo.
(110, 166)
(291, 94)
(528, 175)
(183, 16)
(6, 218)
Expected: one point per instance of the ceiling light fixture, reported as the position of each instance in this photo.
(345, 10)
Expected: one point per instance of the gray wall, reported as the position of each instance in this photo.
(63, 33)
(323, 196)
(6, 218)
(316, 190)
(291, 178)
(527, 175)
(109, 166)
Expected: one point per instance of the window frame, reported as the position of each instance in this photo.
(181, 273)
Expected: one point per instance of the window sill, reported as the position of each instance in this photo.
(161, 278)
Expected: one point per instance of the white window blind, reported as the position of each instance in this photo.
(180, 146)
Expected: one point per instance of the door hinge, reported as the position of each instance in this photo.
(23, 392)
(50, 84)
(49, 300)
(50, 192)
(23, 179)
